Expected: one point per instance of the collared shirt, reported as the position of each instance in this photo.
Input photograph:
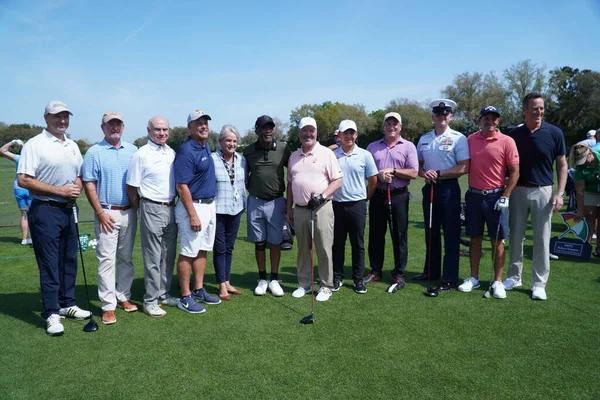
(591, 142)
(264, 168)
(356, 167)
(443, 151)
(107, 165)
(151, 171)
(194, 167)
(311, 173)
(231, 197)
(489, 159)
(537, 153)
(590, 174)
(52, 161)
(400, 155)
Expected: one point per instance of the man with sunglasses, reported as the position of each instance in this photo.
(265, 182)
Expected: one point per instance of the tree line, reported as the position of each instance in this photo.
(572, 99)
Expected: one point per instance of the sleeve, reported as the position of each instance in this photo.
(560, 148)
(29, 160)
(89, 169)
(412, 159)
(511, 154)
(286, 155)
(184, 167)
(134, 172)
(462, 149)
(370, 167)
(333, 167)
(419, 154)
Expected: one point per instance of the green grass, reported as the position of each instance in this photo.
(377, 345)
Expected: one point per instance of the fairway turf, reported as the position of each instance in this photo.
(376, 345)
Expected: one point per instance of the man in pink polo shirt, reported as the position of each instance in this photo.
(492, 153)
(313, 176)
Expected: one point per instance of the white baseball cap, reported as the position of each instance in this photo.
(197, 114)
(392, 114)
(347, 124)
(591, 133)
(55, 107)
(307, 121)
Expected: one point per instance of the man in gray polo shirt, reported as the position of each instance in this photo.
(265, 182)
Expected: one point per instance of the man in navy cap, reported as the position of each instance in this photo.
(443, 156)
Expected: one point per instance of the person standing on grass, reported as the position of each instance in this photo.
(443, 157)
(151, 190)
(540, 145)
(314, 175)
(104, 173)
(195, 213)
(350, 205)
(492, 154)
(397, 164)
(265, 160)
(50, 168)
(230, 171)
(21, 195)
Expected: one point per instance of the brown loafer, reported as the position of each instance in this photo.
(224, 296)
(127, 306)
(108, 317)
(234, 291)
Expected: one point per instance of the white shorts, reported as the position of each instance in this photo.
(190, 242)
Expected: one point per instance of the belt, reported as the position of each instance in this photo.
(117, 208)
(530, 185)
(265, 199)
(162, 203)
(204, 201)
(58, 204)
(299, 206)
(486, 192)
(397, 190)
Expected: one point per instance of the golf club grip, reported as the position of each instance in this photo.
(75, 214)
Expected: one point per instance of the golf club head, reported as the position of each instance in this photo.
(393, 288)
(91, 326)
(431, 292)
(487, 294)
(309, 319)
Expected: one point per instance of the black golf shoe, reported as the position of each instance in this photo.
(337, 284)
(446, 287)
(372, 278)
(359, 287)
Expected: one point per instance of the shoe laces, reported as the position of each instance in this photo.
(53, 319)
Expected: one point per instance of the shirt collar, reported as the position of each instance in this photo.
(104, 142)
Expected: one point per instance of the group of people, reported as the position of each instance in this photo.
(326, 202)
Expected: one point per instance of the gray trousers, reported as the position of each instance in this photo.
(159, 245)
(538, 202)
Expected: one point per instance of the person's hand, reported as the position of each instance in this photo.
(70, 191)
(315, 201)
(289, 215)
(501, 204)
(195, 223)
(557, 203)
(106, 222)
(386, 175)
(430, 176)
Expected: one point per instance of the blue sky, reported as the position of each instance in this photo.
(240, 59)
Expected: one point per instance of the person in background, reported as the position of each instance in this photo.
(590, 139)
(21, 195)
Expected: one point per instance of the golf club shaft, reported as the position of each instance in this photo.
(389, 199)
(429, 235)
(312, 262)
(81, 255)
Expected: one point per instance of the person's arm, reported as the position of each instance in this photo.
(134, 196)
(105, 220)
(68, 191)
(332, 188)
(513, 177)
(579, 190)
(461, 168)
(185, 196)
(5, 152)
(371, 185)
(561, 174)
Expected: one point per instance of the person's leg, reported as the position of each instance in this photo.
(450, 220)
(275, 217)
(517, 223)
(68, 252)
(219, 253)
(589, 214)
(303, 235)
(24, 225)
(356, 216)
(151, 230)
(231, 231)
(257, 233)
(339, 240)
(378, 220)
(324, 243)
(106, 250)
(198, 268)
(184, 270)
(474, 226)
(169, 251)
(127, 228)
(541, 216)
(433, 248)
(399, 232)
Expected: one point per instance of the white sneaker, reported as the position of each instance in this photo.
(168, 300)
(26, 241)
(53, 325)
(275, 289)
(498, 290)
(510, 284)
(323, 294)
(538, 293)
(300, 292)
(261, 288)
(154, 310)
(553, 256)
(74, 312)
(469, 284)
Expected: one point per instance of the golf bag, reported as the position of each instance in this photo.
(288, 236)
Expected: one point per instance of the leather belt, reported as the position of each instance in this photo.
(299, 206)
(486, 192)
(162, 203)
(529, 185)
(204, 201)
(58, 204)
(117, 208)
(396, 190)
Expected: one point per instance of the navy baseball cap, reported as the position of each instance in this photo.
(488, 110)
(262, 121)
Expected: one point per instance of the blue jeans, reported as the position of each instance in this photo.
(226, 232)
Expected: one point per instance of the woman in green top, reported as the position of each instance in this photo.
(587, 186)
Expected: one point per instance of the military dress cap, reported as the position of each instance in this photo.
(488, 110)
(442, 106)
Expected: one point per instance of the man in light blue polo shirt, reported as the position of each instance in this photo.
(350, 205)
(104, 173)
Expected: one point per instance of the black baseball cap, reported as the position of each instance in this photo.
(262, 121)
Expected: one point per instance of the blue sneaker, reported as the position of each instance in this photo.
(203, 296)
(188, 304)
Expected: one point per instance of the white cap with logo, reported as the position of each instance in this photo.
(55, 107)
(307, 121)
(394, 115)
(347, 124)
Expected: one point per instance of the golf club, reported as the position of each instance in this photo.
(309, 319)
(91, 326)
(431, 291)
(488, 294)
(393, 288)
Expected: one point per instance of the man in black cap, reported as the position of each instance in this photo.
(265, 182)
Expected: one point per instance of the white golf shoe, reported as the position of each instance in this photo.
(510, 284)
(74, 312)
(469, 284)
(323, 294)
(538, 293)
(498, 290)
(261, 288)
(275, 288)
(53, 325)
(300, 292)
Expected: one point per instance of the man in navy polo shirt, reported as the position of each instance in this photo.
(196, 212)
(540, 145)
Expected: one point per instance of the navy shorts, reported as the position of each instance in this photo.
(480, 212)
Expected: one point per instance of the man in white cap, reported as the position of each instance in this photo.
(104, 172)
(350, 205)
(313, 177)
(151, 189)
(443, 157)
(50, 168)
(397, 164)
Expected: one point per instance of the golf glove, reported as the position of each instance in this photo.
(316, 201)
(502, 204)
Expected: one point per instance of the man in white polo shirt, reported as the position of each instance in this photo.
(151, 189)
(50, 168)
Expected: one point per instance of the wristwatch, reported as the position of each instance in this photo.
(561, 194)
(439, 173)
(394, 172)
